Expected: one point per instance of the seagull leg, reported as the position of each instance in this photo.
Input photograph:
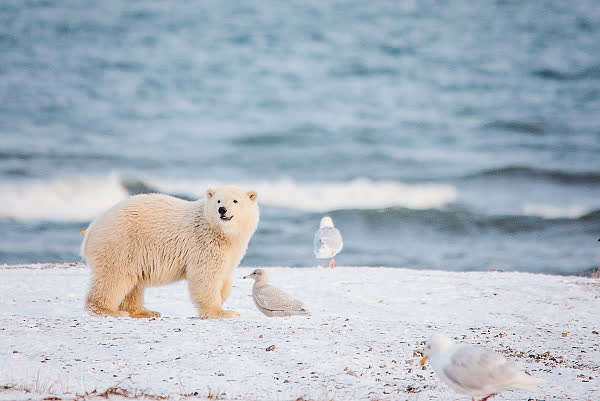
(488, 397)
(332, 263)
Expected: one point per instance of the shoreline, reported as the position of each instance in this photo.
(362, 341)
(593, 272)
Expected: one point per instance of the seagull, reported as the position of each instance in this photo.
(272, 301)
(328, 241)
(475, 371)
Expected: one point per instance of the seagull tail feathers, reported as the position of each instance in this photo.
(528, 382)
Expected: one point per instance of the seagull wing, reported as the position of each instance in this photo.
(274, 299)
(327, 242)
(317, 243)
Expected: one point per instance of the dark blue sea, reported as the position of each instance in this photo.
(450, 135)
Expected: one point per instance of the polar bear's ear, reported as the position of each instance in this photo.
(252, 195)
(210, 193)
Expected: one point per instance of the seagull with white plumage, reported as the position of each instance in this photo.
(327, 241)
(475, 371)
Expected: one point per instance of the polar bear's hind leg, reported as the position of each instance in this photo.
(107, 293)
(134, 304)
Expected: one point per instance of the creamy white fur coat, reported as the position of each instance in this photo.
(154, 239)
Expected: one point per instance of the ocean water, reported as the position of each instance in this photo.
(461, 135)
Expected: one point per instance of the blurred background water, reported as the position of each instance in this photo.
(454, 135)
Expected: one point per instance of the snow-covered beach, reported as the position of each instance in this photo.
(362, 341)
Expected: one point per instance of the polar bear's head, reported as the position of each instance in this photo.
(232, 210)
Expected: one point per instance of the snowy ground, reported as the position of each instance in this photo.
(362, 341)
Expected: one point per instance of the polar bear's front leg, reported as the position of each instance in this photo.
(226, 289)
(208, 298)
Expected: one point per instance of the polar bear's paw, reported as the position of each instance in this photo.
(230, 314)
(219, 314)
(103, 312)
(144, 314)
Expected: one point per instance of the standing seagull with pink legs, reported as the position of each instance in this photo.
(327, 242)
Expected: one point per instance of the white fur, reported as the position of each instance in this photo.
(154, 239)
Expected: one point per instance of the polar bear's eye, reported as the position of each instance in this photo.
(234, 201)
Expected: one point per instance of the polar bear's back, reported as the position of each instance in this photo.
(142, 235)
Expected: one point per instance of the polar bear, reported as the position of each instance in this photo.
(155, 239)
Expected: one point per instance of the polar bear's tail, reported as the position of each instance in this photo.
(82, 250)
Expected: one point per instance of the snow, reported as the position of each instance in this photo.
(362, 341)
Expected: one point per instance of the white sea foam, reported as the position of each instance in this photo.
(360, 193)
(83, 198)
(554, 211)
(78, 198)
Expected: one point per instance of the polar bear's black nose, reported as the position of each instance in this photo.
(222, 210)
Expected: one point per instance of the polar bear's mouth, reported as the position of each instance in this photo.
(225, 218)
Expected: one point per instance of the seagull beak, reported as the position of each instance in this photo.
(423, 360)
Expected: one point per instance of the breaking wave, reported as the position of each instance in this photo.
(60, 199)
(554, 211)
(360, 193)
(84, 197)
(81, 198)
